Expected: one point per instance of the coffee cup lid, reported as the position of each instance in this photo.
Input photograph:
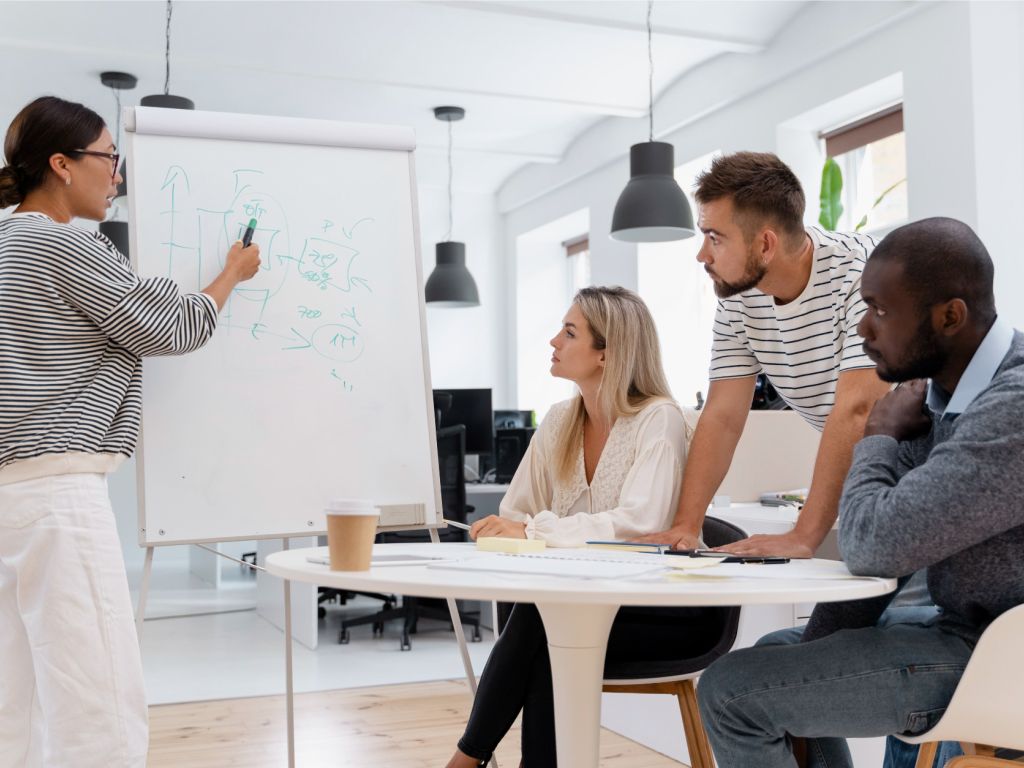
(351, 507)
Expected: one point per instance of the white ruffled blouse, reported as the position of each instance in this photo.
(635, 488)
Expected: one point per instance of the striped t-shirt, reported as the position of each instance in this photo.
(75, 323)
(802, 346)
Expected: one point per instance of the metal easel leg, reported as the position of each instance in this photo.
(140, 611)
(289, 690)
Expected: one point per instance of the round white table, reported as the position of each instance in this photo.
(578, 613)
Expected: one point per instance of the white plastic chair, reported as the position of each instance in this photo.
(987, 709)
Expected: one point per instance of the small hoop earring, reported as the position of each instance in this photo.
(67, 181)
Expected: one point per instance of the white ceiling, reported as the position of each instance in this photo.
(532, 76)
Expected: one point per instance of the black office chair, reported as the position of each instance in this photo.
(342, 596)
(679, 644)
(451, 456)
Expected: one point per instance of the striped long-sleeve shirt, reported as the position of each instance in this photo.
(805, 344)
(75, 323)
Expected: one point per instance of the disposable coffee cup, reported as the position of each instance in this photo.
(351, 527)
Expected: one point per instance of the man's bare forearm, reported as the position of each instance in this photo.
(708, 461)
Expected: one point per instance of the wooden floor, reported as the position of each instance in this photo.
(399, 726)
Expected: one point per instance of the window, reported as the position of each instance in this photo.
(681, 299)
(577, 251)
(872, 154)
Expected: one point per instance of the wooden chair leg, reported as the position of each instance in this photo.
(926, 754)
(981, 761)
(983, 750)
(696, 739)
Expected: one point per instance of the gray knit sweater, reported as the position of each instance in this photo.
(951, 502)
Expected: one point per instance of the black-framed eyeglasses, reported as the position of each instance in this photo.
(114, 157)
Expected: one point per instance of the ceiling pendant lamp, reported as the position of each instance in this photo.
(652, 208)
(451, 284)
(166, 99)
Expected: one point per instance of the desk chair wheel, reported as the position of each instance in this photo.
(378, 629)
(343, 637)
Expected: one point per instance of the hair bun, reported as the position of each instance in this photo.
(10, 186)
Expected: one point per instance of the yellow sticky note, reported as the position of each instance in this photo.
(515, 546)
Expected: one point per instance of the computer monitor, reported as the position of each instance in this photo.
(509, 448)
(471, 407)
(512, 420)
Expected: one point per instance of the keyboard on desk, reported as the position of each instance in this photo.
(574, 563)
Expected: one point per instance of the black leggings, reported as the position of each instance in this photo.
(518, 671)
(517, 677)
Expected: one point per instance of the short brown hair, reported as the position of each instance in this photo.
(761, 187)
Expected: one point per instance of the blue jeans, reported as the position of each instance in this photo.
(823, 753)
(853, 683)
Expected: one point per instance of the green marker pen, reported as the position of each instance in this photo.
(247, 237)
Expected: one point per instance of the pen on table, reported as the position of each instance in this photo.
(728, 557)
(697, 553)
(247, 237)
(455, 524)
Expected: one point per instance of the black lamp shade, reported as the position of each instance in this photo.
(117, 231)
(652, 208)
(450, 284)
(167, 101)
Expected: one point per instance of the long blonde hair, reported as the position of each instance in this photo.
(622, 326)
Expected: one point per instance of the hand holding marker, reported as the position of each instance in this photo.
(247, 237)
(244, 256)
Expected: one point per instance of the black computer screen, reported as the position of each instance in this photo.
(471, 407)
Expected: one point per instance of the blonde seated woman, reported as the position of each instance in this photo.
(606, 464)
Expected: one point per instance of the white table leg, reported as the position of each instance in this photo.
(577, 640)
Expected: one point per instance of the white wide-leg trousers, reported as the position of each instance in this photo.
(71, 686)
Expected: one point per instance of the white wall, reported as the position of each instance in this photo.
(997, 87)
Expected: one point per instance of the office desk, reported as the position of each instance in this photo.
(577, 614)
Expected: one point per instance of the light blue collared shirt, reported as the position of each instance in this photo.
(977, 375)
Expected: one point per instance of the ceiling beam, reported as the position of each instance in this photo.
(526, 157)
(728, 43)
(445, 93)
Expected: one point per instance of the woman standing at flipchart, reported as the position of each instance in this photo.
(75, 323)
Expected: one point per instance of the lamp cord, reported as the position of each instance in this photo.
(167, 52)
(448, 234)
(650, 73)
(117, 116)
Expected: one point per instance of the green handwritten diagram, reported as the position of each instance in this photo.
(314, 288)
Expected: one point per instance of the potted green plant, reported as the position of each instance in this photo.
(832, 197)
